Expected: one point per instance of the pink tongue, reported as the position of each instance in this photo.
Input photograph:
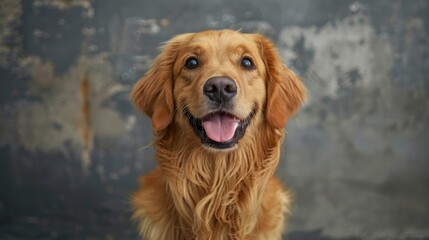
(220, 127)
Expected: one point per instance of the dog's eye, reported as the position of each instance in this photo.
(247, 63)
(191, 63)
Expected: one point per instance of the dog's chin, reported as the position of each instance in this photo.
(218, 143)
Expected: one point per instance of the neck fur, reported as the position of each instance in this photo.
(217, 192)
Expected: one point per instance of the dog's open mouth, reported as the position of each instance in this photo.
(219, 129)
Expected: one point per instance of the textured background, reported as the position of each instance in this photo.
(72, 146)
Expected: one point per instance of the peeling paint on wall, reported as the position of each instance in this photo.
(338, 48)
(354, 123)
(52, 121)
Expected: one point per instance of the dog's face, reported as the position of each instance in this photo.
(219, 86)
(219, 83)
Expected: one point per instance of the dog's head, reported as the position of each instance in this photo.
(221, 84)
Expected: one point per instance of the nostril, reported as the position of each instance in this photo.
(210, 88)
(231, 88)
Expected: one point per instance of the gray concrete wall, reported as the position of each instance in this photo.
(72, 146)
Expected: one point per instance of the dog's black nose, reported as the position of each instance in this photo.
(220, 89)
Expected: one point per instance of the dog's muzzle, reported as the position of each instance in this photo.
(219, 128)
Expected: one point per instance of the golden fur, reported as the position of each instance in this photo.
(198, 192)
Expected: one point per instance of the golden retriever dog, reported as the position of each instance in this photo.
(218, 102)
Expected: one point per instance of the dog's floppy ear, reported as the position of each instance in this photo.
(153, 93)
(285, 91)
